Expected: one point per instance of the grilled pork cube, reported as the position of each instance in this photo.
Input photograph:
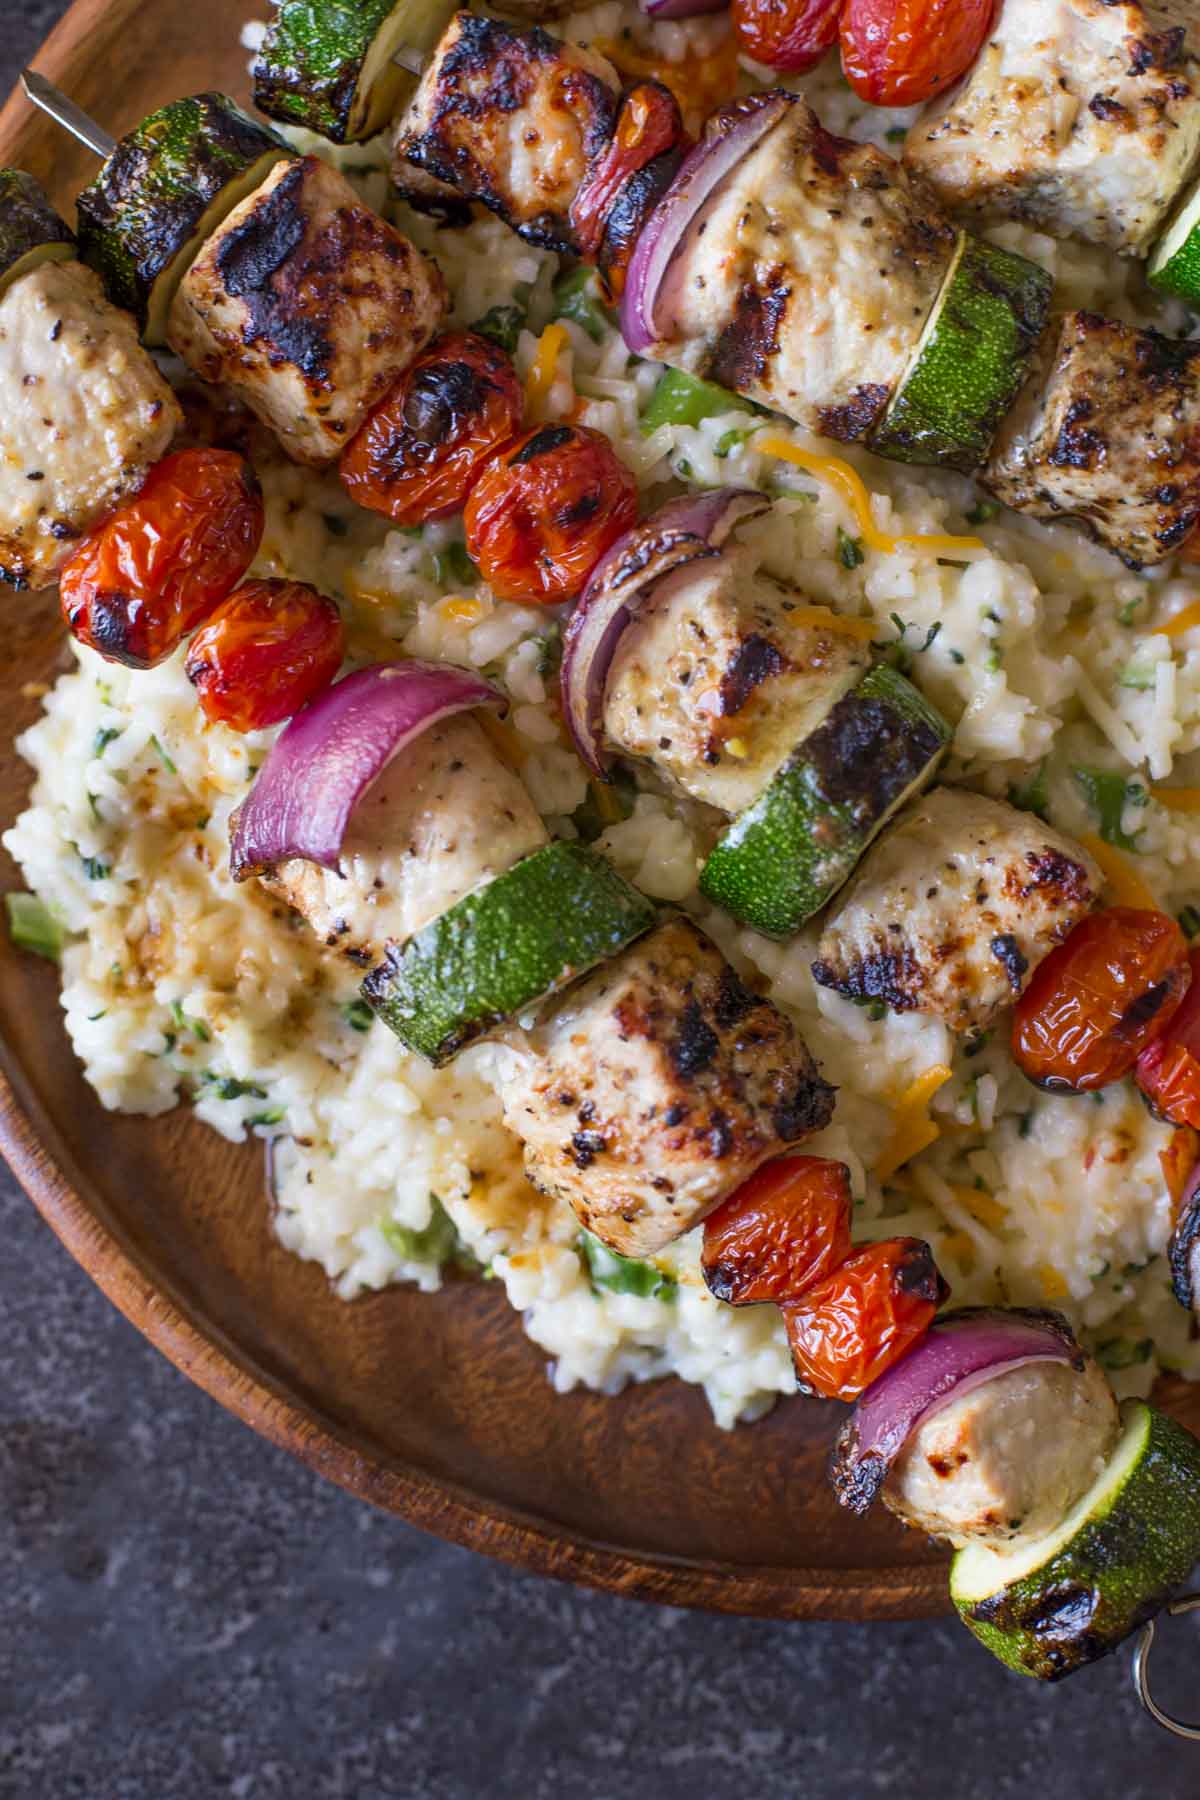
(84, 413)
(512, 118)
(1078, 115)
(308, 306)
(954, 907)
(806, 281)
(443, 818)
(1008, 1460)
(723, 677)
(1107, 430)
(651, 1091)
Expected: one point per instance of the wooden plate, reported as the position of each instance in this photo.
(437, 1408)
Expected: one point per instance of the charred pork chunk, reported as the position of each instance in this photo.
(805, 282)
(1107, 431)
(722, 676)
(84, 414)
(1007, 1461)
(1081, 116)
(652, 1090)
(511, 118)
(440, 821)
(954, 907)
(307, 306)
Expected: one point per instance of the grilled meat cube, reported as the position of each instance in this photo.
(651, 1091)
(1078, 115)
(1006, 1462)
(509, 117)
(442, 819)
(84, 413)
(720, 679)
(308, 306)
(954, 907)
(1107, 430)
(807, 279)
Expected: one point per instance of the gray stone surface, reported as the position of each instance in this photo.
(185, 1613)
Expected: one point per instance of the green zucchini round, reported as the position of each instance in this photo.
(164, 190)
(971, 359)
(31, 232)
(328, 64)
(784, 857)
(547, 920)
(1048, 1608)
(1174, 266)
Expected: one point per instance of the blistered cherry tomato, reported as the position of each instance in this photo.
(422, 449)
(787, 34)
(157, 566)
(902, 52)
(542, 516)
(265, 652)
(784, 1229)
(649, 123)
(863, 1318)
(1168, 1072)
(1100, 998)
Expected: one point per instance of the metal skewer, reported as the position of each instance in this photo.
(64, 112)
(1141, 1671)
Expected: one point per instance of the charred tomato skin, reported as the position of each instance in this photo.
(789, 35)
(1168, 1071)
(541, 517)
(784, 1229)
(266, 651)
(421, 450)
(156, 568)
(904, 52)
(1100, 999)
(851, 1327)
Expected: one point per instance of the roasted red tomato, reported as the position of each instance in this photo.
(424, 446)
(861, 1319)
(539, 520)
(787, 34)
(265, 652)
(902, 52)
(1168, 1072)
(157, 566)
(1097, 1001)
(648, 124)
(784, 1229)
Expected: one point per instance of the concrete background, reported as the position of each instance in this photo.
(185, 1613)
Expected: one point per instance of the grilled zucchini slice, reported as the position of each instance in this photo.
(327, 64)
(164, 190)
(1174, 266)
(31, 232)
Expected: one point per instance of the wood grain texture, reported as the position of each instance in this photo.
(436, 1408)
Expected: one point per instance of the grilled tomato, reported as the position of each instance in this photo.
(1168, 1071)
(903, 52)
(784, 1229)
(790, 35)
(265, 652)
(864, 1317)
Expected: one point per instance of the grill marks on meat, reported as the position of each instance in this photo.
(1107, 431)
(651, 1091)
(510, 118)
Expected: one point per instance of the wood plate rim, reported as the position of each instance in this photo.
(197, 1346)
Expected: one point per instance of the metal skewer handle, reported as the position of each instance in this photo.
(1141, 1671)
(64, 112)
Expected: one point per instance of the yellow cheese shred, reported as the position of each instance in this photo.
(461, 611)
(1183, 621)
(1181, 799)
(1053, 1285)
(850, 485)
(913, 1129)
(825, 619)
(540, 378)
(1128, 888)
(981, 1205)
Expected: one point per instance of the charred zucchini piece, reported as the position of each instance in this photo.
(547, 920)
(31, 232)
(327, 64)
(163, 192)
(789, 853)
(1175, 262)
(1052, 1606)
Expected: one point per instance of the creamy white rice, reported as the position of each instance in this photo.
(179, 988)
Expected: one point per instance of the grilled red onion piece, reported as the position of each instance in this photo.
(962, 1351)
(681, 532)
(327, 757)
(680, 9)
(729, 135)
(1185, 1247)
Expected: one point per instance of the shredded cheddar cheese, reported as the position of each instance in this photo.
(981, 1205)
(958, 1244)
(850, 485)
(1182, 621)
(698, 82)
(541, 376)
(460, 610)
(1053, 1285)
(737, 748)
(1127, 886)
(827, 620)
(913, 1129)
(1181, 800)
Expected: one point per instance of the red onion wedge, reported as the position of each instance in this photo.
(961, 1352)
(327, 757)
(729, 135)
(682, 531)
(680, 9)
(1185, 1247)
